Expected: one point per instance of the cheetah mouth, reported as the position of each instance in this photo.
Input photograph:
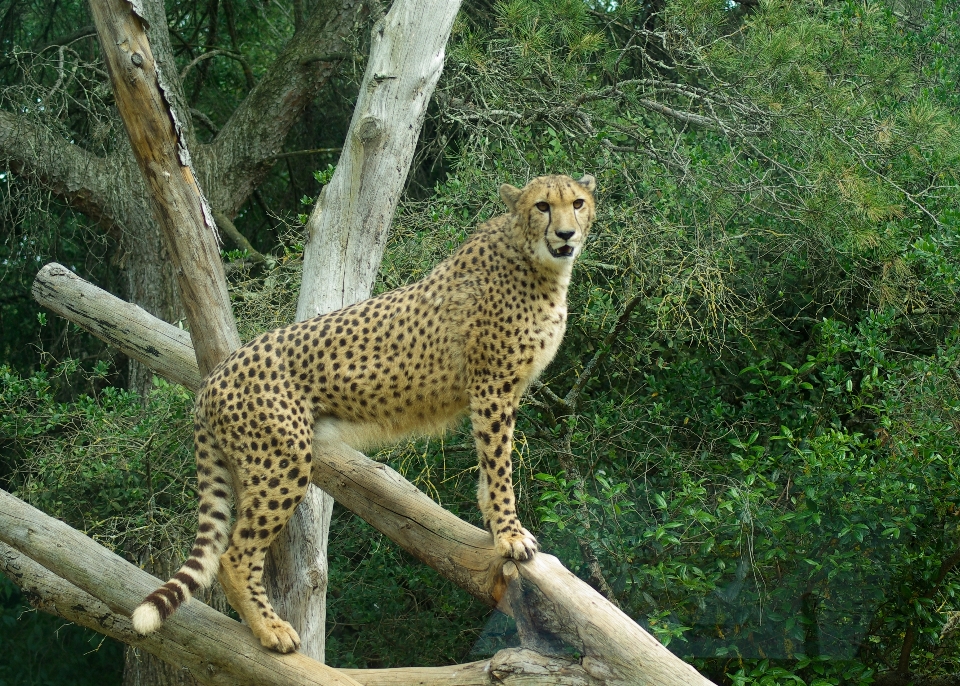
(563, 251)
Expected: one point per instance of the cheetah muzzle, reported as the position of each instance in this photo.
(469, 338)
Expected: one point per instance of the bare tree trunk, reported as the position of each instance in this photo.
(160, 148)
(347, 233)
(151, 281)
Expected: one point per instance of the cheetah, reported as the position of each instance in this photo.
(470, 337)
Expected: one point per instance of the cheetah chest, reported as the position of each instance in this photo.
(545, 336)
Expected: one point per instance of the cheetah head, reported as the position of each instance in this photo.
(554, 214)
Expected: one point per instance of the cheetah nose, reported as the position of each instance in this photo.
(565, 235)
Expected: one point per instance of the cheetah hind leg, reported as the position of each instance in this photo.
(241, 574)
(250, 601)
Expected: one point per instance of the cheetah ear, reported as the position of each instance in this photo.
(510, 194)
(587, 181)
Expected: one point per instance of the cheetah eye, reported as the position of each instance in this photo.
(543, 207)
(578, 203)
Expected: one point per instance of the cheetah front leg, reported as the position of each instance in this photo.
(493, 419)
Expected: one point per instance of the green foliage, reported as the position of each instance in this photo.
(108, 463)
(386, 608)
(47, 652)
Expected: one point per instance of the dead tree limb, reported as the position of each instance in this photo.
(347, 230)
(156, 139)
(544, 596)
(164, 348)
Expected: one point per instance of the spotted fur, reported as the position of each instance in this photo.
(470, 337)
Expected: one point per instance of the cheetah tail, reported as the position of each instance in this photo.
(204, 561)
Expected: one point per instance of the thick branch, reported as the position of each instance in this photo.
(246, 148)
(37, 153)
(459, 551)
(519, 667)
(163, 347)
(556, 601)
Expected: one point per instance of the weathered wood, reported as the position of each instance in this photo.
(153, 111)
(217, 649)
(549, 598)
(155, 138)
(161, 346)
(347, 230)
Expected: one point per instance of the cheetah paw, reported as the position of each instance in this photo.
(278, 635)
(516, 545)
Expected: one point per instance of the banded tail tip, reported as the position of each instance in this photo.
(146, 619)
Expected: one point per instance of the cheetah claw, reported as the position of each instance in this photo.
(278, 635)
(514, 545)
